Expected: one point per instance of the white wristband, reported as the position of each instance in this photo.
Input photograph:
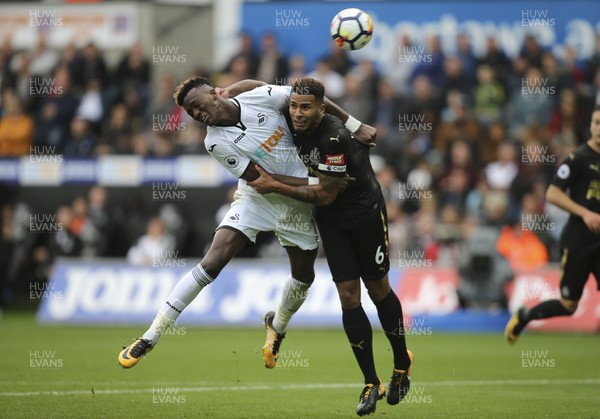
(313, 180)
(352, 124)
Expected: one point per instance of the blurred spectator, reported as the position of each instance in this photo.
(521, 248)
(82, 140)
(297, 68)
(496, 59)
(566, 119)
(500, 173)
(99, 218)
(465, 55)
(91, 107)
(355, 101)
(530, 106)
(16, 127)
(246, 53)
(555, 76)
(155, 246)
(94, 66)
(55, 113)
(64, 242)
(387, 111)
(482, 269)
(593, 64)
(339, 59)
(532, 51)
(433, 66)
(333, 82)
(488, 96)
(118, 131)
(272, 65)
(456, 79)
(134, 70)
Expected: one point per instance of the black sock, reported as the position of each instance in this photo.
(360, 335)
(390, 315)
(546, 309)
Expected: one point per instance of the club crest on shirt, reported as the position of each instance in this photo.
(262, 119)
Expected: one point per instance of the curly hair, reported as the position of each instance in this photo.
(309, 86)
(187, 85)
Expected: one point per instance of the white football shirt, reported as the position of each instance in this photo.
(262, 136)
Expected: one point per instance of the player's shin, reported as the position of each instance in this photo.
(182, 295)
(292, 297)
(390, 315)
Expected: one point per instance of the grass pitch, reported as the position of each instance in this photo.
(72, 372)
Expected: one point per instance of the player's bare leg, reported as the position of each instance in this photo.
(295, 291)
(226, 243)
(544, 310)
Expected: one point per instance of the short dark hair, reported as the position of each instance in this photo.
(309, 86)
(187, 85)
(596, 108)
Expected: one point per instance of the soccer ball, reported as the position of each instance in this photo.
(352, 29)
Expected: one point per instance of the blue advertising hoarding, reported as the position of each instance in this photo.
(303, 27)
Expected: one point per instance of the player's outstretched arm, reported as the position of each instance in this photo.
(364, 133)
(558, 197)
(322, 194)
(239, 88)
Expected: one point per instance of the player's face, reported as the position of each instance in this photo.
(595, 127)
(201, 104)
(306, 112)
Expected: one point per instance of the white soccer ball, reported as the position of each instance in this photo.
(352, 29)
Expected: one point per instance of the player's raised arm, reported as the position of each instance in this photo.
(364, 133)
(240, 87)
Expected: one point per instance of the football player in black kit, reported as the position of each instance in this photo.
(580, 238)
(353, 227)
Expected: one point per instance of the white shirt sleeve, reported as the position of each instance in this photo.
(277, 97)
(227, 156)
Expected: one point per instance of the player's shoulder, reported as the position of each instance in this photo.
(266, 90)
(580, 152)
(333, 129)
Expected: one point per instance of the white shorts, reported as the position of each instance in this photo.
(290, 220)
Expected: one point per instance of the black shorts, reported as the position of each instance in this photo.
(356, 247)
(575, 268)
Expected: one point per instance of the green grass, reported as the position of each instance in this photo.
(462, 376)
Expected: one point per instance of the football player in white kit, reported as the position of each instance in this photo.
(243, 132)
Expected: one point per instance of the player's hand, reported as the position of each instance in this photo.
(366, 134)
(346, 181)
(264, 183)
(592, 221)
(224, 93)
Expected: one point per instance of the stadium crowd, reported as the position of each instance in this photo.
(466, 145)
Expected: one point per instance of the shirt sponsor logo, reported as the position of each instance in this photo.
(270, 144)
(334, 159)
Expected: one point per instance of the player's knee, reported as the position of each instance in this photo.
(349, 298)
(569, 305)
(377, 289)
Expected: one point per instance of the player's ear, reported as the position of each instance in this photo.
(322, 108)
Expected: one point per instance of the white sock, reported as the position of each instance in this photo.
(293, 295)
(182, 295)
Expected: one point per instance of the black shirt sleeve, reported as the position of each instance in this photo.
(567, 172)
(333, 152)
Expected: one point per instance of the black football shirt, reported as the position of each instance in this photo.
(331, 150)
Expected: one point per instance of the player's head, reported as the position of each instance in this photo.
(307, 105)
(595, 125)
(199, 99)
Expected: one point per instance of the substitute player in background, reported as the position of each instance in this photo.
(580, 239)
(354, 231)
